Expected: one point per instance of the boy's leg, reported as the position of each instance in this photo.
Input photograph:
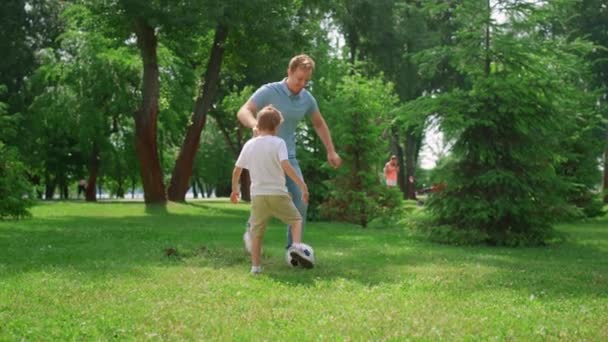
(259, 218)
(296, 197)
(256, 252)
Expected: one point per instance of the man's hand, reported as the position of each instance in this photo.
(334, 160)
(305, 197)
(234, 197)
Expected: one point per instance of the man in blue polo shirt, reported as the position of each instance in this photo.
(295, 102)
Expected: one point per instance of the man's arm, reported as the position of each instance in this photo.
(236, 174)
(323, 132)
(246, 114)
(291, 173)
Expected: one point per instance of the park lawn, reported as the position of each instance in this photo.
(80, 271)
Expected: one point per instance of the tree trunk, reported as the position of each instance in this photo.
(146, 117)
(398, 151)
(411, 148)
(89, 193)
(49, 187)
(120, 191)
(194, 191)
(208, 190)
(65, 192)
(606, 173)
(185, 161)
(200, 186)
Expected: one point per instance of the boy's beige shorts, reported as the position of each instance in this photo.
(263, 207)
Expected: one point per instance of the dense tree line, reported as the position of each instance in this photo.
(134, 94)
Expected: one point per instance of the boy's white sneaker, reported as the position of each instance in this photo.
(247, 240)
(256, 270)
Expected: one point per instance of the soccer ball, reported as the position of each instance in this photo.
(307, 250)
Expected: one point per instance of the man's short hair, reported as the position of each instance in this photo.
(301, 62)
(269, 118)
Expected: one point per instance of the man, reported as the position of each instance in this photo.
(291, 98)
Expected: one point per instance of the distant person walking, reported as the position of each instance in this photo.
(391, 169)
(82, 187)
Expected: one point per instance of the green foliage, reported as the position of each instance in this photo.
(508, 121)
(15, 190)
(501, 181)
(390, 208)
(312, 156)
(214, 161)
(355, 192)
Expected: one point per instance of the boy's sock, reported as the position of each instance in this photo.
(256, 269)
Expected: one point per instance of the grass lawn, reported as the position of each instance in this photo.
(79, 271)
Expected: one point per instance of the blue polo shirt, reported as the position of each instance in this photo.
(294, 108)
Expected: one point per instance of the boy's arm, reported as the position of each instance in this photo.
(236, 174)
(289, 171)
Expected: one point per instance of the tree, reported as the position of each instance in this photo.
(238, 32)
(14, 187)
(590, 20)
(85, 87)
(356, 191)
(506, 124)
(386, 35)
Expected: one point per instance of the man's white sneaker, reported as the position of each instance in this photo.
(303, 256)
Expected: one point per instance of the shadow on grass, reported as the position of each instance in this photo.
(578, 267)
(157, 209)
(102, 246)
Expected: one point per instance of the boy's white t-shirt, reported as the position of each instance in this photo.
(262, 156)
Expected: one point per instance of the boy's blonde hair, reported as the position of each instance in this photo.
(269, 118)
(301, 62)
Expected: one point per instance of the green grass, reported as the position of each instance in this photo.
(79, 271)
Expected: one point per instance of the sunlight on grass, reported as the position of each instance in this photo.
(102, 271)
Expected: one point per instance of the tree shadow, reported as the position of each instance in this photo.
(575, 268)
(118, 246)
(156, 208)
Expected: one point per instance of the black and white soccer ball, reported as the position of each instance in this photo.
(307, 250)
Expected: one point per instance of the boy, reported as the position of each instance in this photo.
(265, 156)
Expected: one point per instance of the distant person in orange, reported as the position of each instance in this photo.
(391, 169)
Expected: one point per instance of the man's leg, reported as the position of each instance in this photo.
(297, 251)
(296, 232)
(296, 196)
